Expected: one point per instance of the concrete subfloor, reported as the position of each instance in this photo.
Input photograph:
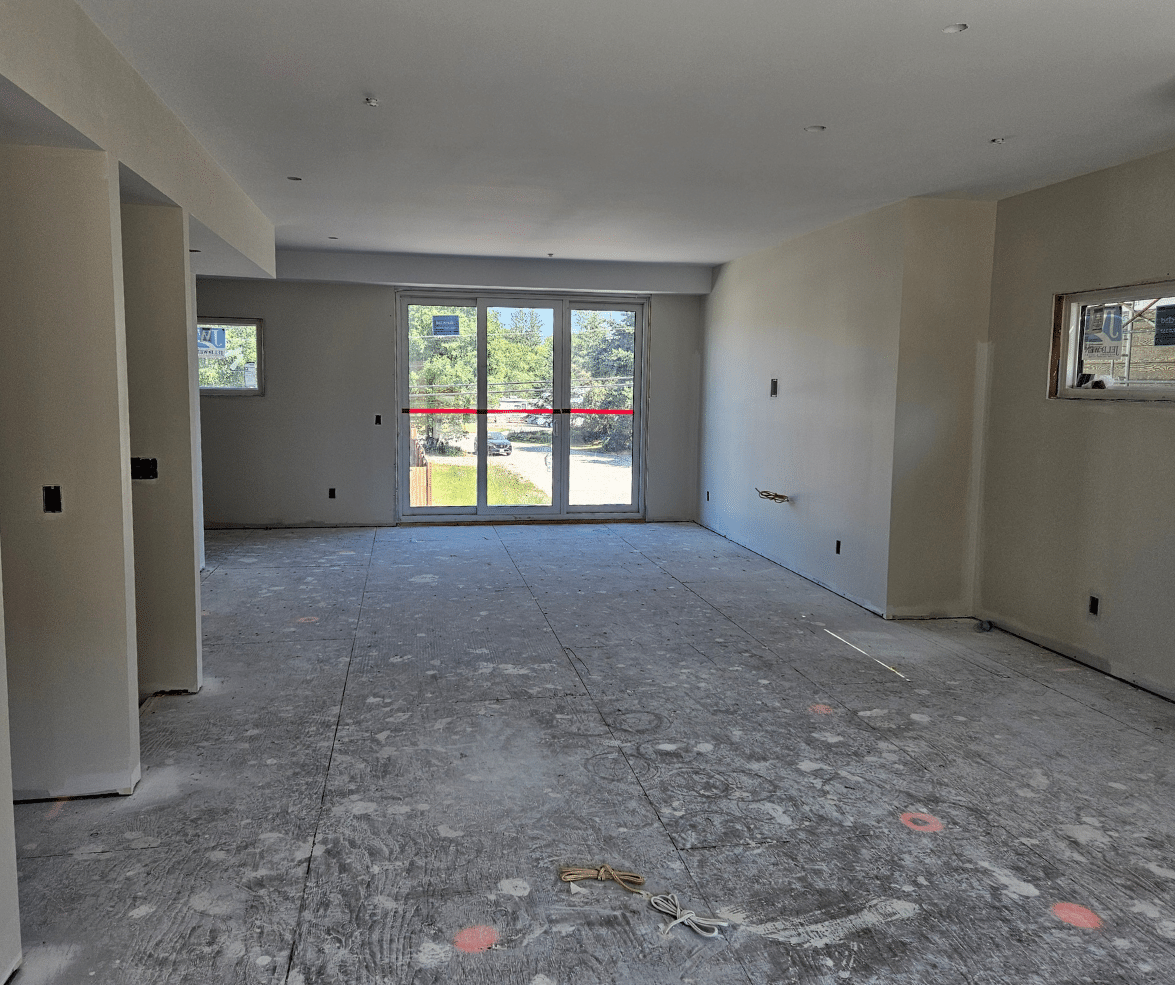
(405, 732)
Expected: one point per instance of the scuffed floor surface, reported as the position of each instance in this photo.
(403, 734)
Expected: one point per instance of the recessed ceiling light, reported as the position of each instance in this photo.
(954, 29)
(999, 140)
(816, 128)
(332, 237)
(550, 254)
(193, 251)
(371, 101)
(292, 177)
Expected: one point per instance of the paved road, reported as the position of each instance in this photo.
(596, 477)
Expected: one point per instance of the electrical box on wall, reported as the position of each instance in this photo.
(144, 468)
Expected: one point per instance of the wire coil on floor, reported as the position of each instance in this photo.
(629, 880)
(667, 904)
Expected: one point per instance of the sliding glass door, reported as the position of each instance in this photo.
(519, 406)
(440, 466)
(603, 407)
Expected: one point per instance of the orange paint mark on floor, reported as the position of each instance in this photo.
(821, 709)
(308, 619)
(474, 940)
(921, 822)
(1077, 916)
(56, 809)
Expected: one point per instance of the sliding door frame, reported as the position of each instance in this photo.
(561, 399)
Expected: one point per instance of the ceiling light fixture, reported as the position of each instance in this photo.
(332, 237)
(292, 177)
(999, 140)
(371, 101)
(193, 251)
(816, 128)
(954, 29)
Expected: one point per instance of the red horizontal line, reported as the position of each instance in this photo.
(499, 410)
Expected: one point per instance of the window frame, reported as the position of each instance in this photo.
(221, 391)
(1067, 344)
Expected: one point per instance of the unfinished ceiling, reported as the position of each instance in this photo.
(654, 131)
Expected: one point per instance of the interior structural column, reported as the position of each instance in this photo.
(164, 388)
(65, 489)
(9, 910)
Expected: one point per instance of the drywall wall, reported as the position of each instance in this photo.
(946, 297)
(821, 314)
(69, 599)
(10, 952)
(53, 52)
(1076, 493)
(674, 417)
(330, 367)
(163, 387)
(499, 273)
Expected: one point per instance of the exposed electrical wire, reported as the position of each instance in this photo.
(773, 496)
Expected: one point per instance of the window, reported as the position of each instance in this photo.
(1116, 344)
(230, 355)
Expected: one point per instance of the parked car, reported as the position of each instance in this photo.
(498, 444)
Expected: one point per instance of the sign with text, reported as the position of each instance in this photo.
(1102, 332)
(446, 325)
(1165, 324)
(210, 343)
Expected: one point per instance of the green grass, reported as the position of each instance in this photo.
(456, 485)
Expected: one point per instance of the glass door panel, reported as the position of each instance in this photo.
(520, 381)
(442, 405)
(602, 419)
(520, 405)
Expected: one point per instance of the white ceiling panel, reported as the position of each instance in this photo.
(647, 130)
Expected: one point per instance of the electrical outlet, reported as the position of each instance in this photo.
(379, 418)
